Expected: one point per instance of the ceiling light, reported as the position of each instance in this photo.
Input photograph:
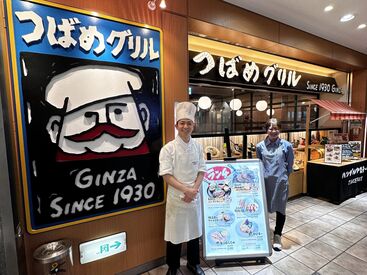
(268, 112)
(362, 26)
(261, 105)
(163, 5)
(235, 104)
(239, 113)
(328, 8)
(204, 102)
(347, 17)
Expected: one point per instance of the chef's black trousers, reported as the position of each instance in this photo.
(279, 223)
(173, 253)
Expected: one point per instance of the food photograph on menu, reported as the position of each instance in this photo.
(234, 210)
(333, 153)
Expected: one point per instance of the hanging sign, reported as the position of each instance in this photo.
(235, 216)
(88, 101)
(207, 68)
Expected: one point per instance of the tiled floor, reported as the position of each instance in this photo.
(318, 238)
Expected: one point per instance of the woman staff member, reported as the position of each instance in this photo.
(181, 163)
(277, 157)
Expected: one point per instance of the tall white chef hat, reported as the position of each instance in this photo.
(86, 84)
(185, 110)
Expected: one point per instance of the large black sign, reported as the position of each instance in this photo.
(211, 69)
(88, 102)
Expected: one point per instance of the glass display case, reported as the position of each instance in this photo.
(243, 146)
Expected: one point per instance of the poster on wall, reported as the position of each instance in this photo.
(88, 95)
(235, 217)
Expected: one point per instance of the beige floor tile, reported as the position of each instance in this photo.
(319, 224)
(332, 220)
(253, 268)
(310, 199)
(271, 270)
(327, 251)
(360, 219)
(276, 256)
(159, 270)
(302, 217)
(311, 230)
(298, 237)
(289, 246)
(361, 195)
(209, 272)
(363, 242)
(351, 263)
(291, 266)
(309, 258)
(355, 228)
(346, 213)
(292, 222)
(333, 269)
(347, 234)
(335, 241)
(305, 249)
(359, 205)
(322, 209)
(359, 251)
(292, 208)
(303, 203)
(232, 270)
(312, 211)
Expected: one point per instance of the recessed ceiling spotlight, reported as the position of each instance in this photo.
(328, 8)
(347, 17)
(362, 26)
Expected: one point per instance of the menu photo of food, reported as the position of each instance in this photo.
(224, 217)
(218, 189)
(247, 228)
(245, 179)
(333, 153)
(218, 236)
(248, 206)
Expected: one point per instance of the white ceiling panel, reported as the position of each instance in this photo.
(309, 16)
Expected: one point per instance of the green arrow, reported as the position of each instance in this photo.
(116, 245)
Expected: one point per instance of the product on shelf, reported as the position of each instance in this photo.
(214, 152)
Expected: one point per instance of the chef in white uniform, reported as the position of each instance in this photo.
(182, 166)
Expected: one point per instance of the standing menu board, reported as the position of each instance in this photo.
(235, 217)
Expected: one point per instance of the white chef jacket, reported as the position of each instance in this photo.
(183, 161)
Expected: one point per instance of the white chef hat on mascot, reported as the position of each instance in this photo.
(185, 110)
(86, 84)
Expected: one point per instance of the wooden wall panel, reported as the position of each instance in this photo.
(304, 41)
(133, 10)
(224, 14)
(359, 94)
(175, 66)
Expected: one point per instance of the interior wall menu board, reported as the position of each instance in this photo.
(235, 217)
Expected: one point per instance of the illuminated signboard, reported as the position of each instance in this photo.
(234, 210)
(88, 99)
(102, 248)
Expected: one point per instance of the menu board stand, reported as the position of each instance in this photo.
(235, 216)
(258, 260)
